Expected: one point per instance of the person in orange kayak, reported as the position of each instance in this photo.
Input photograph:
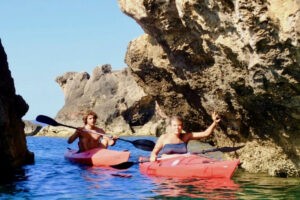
(175, 142)
(90, 136)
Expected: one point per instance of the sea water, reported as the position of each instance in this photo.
(53, 177)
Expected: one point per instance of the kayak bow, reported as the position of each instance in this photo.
(98, 157)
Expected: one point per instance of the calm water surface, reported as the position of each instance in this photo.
(53, 177)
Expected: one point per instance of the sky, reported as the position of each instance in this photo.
(45, 39)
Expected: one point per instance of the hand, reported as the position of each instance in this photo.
(114, 137)
(215, 116)
(112, 140)
(153, 158)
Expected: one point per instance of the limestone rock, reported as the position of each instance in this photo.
(51, 131)
(114, 95)
(240, 58)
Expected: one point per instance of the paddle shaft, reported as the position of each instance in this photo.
(222, 149)
(95, 132)
(143, 144)
(90, 131)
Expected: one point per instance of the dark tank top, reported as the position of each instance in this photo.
(179, 148)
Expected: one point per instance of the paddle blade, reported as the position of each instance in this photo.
(146, 145)
(222, 149)
(229, 149)
(46, 120)
(124, 165)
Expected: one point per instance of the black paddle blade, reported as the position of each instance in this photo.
(46, 120)
(229, 149)
(222, 149)
(124, 165)
(146, 145)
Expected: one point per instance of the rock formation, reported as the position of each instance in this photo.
(31, 128)
(121, 105)
(13, 147)
(240, 58)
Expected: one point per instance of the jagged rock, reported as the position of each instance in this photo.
(13, 147)
(31, 128)
(240, 58)
(119, 102)
(55, 131)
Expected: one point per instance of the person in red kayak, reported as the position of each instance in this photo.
(90, 136)
(175, 142)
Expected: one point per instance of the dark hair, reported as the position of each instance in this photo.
(89, 112)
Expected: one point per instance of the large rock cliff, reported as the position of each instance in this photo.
(121, 105)
(238, 57)
(13, 148)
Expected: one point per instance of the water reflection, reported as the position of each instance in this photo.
(13, 176)
(98, 177)
(259, 186)
(196, 188)
(10, 183)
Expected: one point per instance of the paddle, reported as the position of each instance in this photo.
(126, 165)
(222, 149)
(146, 145)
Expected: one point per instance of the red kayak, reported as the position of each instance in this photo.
(189, 165)
(98, 157)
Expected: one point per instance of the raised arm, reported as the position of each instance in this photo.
(198, 135)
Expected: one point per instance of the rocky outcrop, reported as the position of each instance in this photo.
(121, 105)
(13, 148)
(31, 128)
(240, 58)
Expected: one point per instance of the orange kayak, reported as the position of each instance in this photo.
(189, 165)
(98, 157)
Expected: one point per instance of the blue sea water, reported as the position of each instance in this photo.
(53, 177)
